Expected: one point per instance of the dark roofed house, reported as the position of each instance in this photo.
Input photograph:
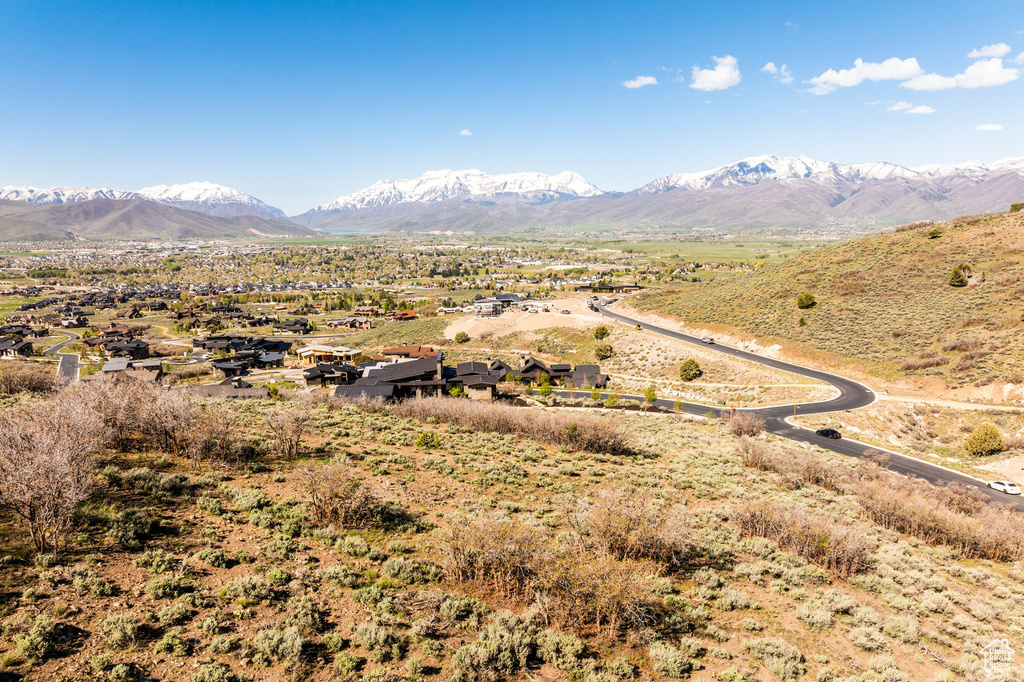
(229, 389)
(472, 368)
(233, 368)
(385, 391)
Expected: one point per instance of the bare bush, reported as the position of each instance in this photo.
(587, 432)
(46, 462)
(745, 424)
(336, 496)
(964, 343)
(600, 591)
(190, 372)
(628, 524)
(904, 506)
(925, 362)
(289, 426)
(839, 548)
(906, 227)
(25, 377)
(796, 466)
(496, 551)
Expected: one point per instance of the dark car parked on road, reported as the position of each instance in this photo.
(829, 433)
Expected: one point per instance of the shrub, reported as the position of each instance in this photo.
(25, 377)
(601, 333)
(785, 661)
(502, 649)
(1015, 207)
(903, 628)
(805, 301)
(46, 465)
(347, 663)
(984, 440)
(247, 589)
(215, 672)
(409, 571)
(935, 233)
(462, 337)
(337, 496)
(276, 644)
(130, 528)
(690, 370)
(157, 561)
(816, 616)
(382, 643)
(868, 639)
(173, 643)
(560, 649)
(165, 588)
(307, 615)
(836, 547)
(120, 631)
(603, 351)
(40, 642)
(669, 661)
(278, 576)
(745, 424)
(958, 278)
(215, 557)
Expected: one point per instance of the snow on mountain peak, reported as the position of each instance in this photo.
(757, 169)
(443, 185)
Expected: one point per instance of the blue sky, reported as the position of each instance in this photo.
(298, 103)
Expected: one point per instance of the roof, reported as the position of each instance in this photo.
(115, 365)
(403, 370)
(365, 391)
(472, 368)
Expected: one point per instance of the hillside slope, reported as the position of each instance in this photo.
(132, 219)
(885, 300)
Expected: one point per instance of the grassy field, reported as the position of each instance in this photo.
(234, 571)
(884, 301)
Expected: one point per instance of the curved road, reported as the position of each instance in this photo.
(67, 370)
(852, 395)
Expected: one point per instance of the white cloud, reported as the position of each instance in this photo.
(640, 81)
(1019, 59)
(891, 69)
(997, 50)
(899, 106)
(921, 109)
(466, 133)
(984, 73)
(990, 127)
(930, 81)
(725, 75)
(782, 73)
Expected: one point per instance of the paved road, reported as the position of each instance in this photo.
(852, 395)
(67, 370)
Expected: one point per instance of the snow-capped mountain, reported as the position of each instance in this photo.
(62, 195)
(445, 185)
(204, 197)
(211, 198)
(758, 169)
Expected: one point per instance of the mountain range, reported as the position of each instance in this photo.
(760, 192)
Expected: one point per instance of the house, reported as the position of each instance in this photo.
(369, 310)
(298, 325)
(268, 360)
(442, 311)
(11, 348)
(229, 389)
(488, 307)
(232, 368)
(609, 288)
(350, 323)
(403, 378)
(317, 354)
(587, 376)
(402, 315)
(74, 321)
(133, 349)
(477, 386)
(331, 374)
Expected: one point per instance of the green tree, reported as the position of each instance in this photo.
(935, 233)
(650, 395)
(984, 440)
(603, 351)
(462, 337)
(806, 300)
(958, 278)
(545, 390)
(601, 332)
(595, 393)
(612, 400)
(690, 370)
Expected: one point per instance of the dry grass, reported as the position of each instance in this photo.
(25, 377)
(579, 431)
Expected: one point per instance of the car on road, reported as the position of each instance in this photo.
(829, 433)
(707, 339)
(565, 312)
(604, 302)
(1005, 487)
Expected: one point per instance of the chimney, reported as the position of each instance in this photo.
(522, 361)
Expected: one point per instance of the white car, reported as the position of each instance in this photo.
(1005, 487)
